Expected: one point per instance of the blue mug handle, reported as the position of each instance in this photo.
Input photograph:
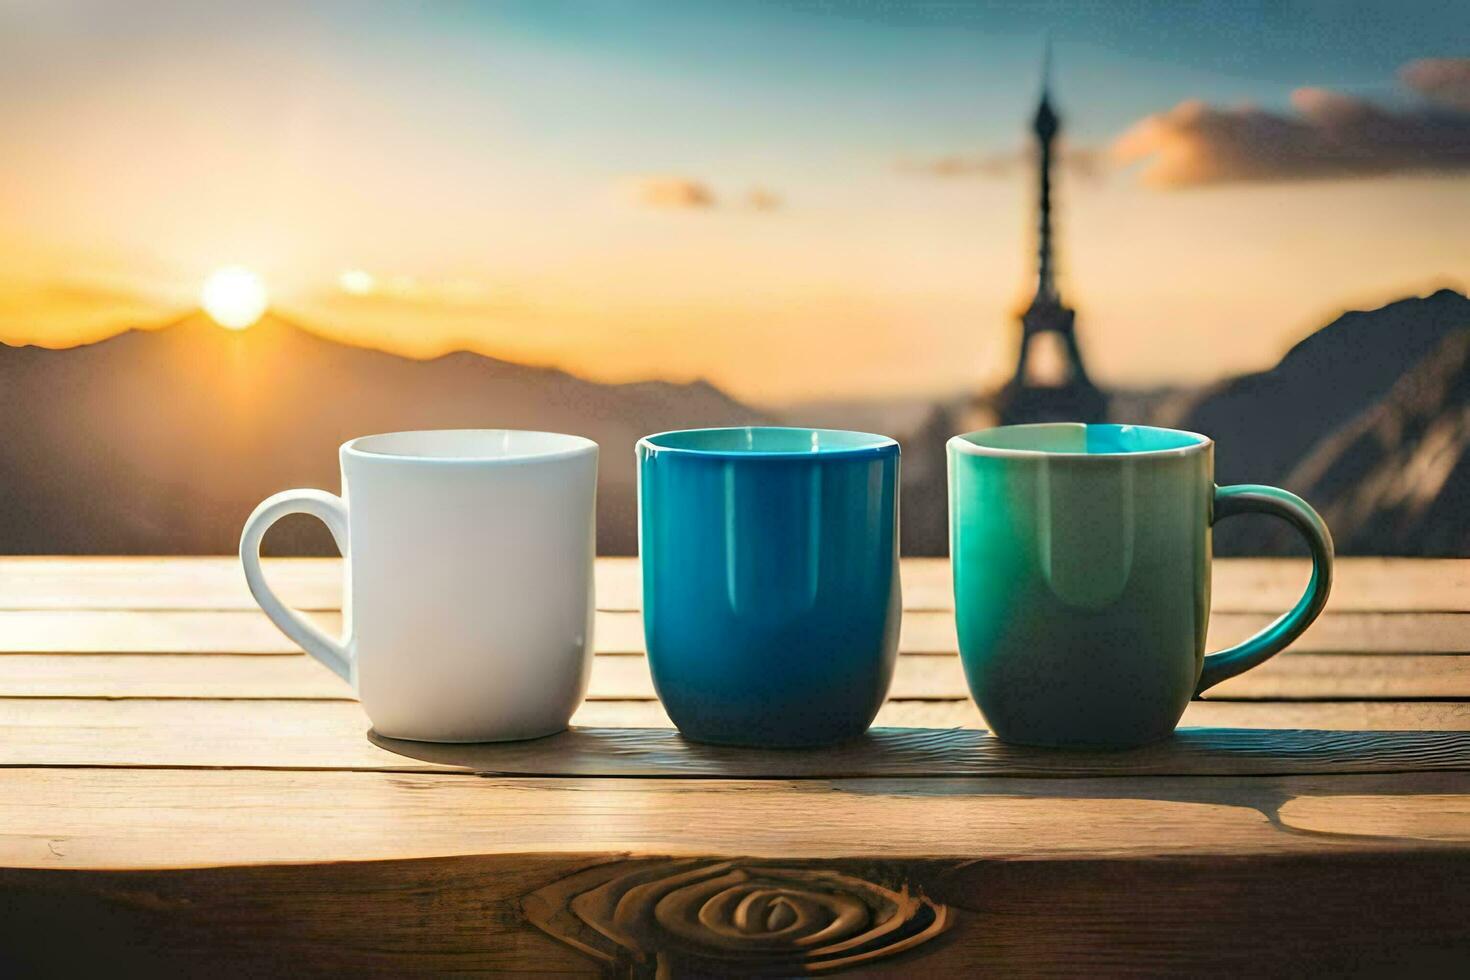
(1248, 498)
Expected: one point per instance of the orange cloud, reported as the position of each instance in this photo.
(763, 199)
(674, 193)
(1329, 134)
(688, 194)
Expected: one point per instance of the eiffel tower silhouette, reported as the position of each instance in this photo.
(1076, 398)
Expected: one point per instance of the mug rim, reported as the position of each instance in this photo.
(874, 444)
(962, 443)
(566, 447)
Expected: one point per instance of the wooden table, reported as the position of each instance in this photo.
(181, 788)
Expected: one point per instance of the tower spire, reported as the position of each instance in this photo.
(1046, 125)
(1046, 68)
(1076, 398)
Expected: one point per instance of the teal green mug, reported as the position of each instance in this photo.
(1081, 559)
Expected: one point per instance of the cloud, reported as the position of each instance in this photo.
(762, 199)
(671, 193)
(1083, 161)
(1328, 134)
(687, 194)
(1445, 80)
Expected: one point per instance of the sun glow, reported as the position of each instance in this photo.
(358, 282)
(234, 297)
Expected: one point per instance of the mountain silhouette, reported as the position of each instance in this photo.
(1369, 419)
(162, 441)
(1398, 475)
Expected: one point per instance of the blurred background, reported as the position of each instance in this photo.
(234, 235)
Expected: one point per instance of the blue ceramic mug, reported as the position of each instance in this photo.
(770, 580)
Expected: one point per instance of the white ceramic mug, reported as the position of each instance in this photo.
(468, 597)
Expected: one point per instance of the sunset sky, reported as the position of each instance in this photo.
(792, 200)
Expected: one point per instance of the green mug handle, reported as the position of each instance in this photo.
(1248, 498)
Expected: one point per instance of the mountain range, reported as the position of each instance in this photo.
(1368, 418)
(161, 441)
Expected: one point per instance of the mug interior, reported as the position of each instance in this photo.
(1078, 439)
(759, 440)
(469, 444)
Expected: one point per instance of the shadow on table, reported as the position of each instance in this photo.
(935, 753)
(1186, 768)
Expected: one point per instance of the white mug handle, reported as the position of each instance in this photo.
(331, 511)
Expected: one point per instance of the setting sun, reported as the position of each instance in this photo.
(234, 297)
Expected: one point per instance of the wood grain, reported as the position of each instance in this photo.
(1272, 585)
(1259, 585)
(1382, 816)
(619, 677)
(148, 803)
(1334, 632)
(248, 631)
(1356, 676)
(212, 583)
(151, 583)
(715, 916)
(114, 819)
(134, 631)
(1013, 917)
(332, 734)
(123, 675)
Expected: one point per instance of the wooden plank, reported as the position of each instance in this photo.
(1428, 633)
(133, 631)
(164, 818)
(245, 631)
(1380, 912)
(1355, 632)
(1292, 676)
(332, 734)
(1272, 585)
(1257, 585)
(166, 675)
(214, 583)
(623, 677)
(208, 632)
(1356, 676)
(437, 868)
(206, 734)
(1381, 816)
(202, 583)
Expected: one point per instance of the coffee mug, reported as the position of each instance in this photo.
(1081, 558)
(770, 580)
(468, 592)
